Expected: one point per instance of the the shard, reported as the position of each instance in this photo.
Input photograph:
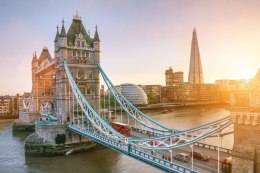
(195, 73)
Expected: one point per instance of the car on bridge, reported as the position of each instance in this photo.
(200, 155)
(183, 157)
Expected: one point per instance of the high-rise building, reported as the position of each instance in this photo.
(173, 78)
(195, 72)
(169, 77)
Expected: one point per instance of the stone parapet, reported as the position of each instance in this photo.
(246, 118)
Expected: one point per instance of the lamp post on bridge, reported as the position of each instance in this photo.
(191, 146)
(218, 149)
(171, 149)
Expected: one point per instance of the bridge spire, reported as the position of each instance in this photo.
(57, 34)
(63, 32)
(96, 37)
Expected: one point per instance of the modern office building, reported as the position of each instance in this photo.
(195, 72)
(173, 78)
(133, 93)
(153, 93)
(193, 91)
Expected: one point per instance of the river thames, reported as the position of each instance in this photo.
(13, 159)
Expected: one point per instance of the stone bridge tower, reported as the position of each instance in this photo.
(82, 54)
(245, 113)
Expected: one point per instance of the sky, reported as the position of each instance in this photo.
(140, 39)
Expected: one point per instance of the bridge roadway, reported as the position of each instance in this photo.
(209, 150)
(155, 160)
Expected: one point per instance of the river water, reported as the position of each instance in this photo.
(13, 160)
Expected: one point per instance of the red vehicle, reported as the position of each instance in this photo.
(227, 165)
(122, 128)
(154, 143)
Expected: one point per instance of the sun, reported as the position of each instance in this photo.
(246, 74)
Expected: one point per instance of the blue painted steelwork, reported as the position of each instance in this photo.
(89, 112)
(135, 147)
(131, 151)
(131, 110)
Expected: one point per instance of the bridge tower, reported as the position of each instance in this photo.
(34, 81)
(245, 113)
(82, 53)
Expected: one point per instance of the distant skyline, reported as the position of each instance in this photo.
(140, 39)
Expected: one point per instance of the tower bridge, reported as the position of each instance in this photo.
(71, 83)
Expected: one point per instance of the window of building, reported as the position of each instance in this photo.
(74, 53)
(82, 44)
(78, 43)
(88, 91)
(90, 75)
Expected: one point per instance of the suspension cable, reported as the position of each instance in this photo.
(78, 113)
(73, 108)
(82, 123)
(104, 115)
(115, 107)
(218, 151)
(69, 99)
(121, 115)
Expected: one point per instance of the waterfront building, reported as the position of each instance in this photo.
(9, 106)
(225, 88)
(5, 105)
(195, 72)
(173, 78)
(153, 93)
(133, 93)
(191, 93)
(169, 77)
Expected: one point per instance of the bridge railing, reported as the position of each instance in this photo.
(146, 132)
(160, 162)
(131, 150)
(198, 144)
(99, 138)
(212, 147)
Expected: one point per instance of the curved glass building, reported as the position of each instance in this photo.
(133, 93)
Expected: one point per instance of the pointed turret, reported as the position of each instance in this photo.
(75, 29)
(195, 73)
(57, 35)
(34, 59)
(45, 56)
(96, 37)
(34, 56)
(63, 32)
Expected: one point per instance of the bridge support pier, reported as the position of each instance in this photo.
(25, 123)
(54, 140)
